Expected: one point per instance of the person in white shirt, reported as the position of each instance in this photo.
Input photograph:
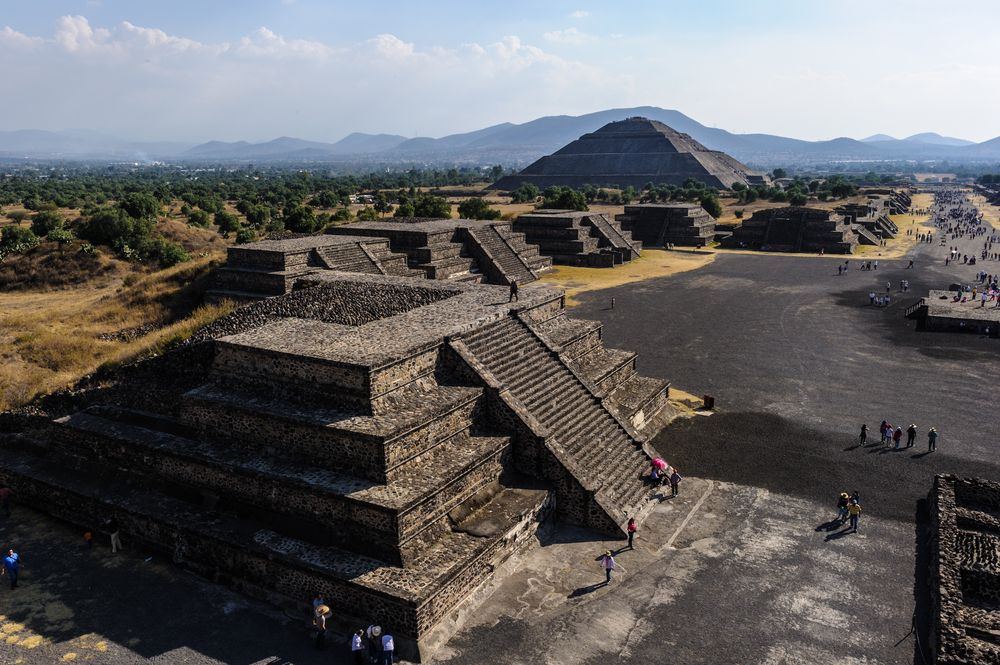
(387, 649)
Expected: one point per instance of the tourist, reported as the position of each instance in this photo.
(388, 648)
(854, 512)
(932, 437)
(319, 621)
(888, 287)
(631, 531)
(374, 643)
(358, 647)
(855, 496)
(513, 291)
(318, 600)
(675, 480)
(897, 436)
(911, 435)
(114, 529)
(842, 503)
(871, 297)
(88, 539)
(910, 265)
(11, 567)
(608, 564)
(875, 265)
(863, 439)
(5, 493)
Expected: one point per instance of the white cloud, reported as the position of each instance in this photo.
(569, 36)
(579, 14)
(75, 34)
(265, 42)
(13, 38)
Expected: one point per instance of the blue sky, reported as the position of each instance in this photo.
(185, 70)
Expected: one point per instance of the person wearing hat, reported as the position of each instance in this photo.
(319, 621)
(842, 504)
(932, 437)
(375, 643)
(911, 435)
(608, 563)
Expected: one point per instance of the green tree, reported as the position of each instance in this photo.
(710, 202)
(45, 222)
(198, 217)
(779, 173)
(17, 216)
(382, 205)
(564, 198)
(16, 239)
(302, 219)
(227, 222)
(258, 215)
(526, 193)
(114, 228)
(139, 205)
(477, 208)
(798, 199)
(367, 214)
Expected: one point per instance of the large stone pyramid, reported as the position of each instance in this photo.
(634, 151)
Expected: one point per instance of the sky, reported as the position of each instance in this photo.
(197, 70)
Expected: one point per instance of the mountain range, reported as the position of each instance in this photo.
(507, 143)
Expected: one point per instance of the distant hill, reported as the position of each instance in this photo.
(506, 143)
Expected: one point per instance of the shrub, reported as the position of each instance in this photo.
(198, 217)
(45, 222)
(477, 208)
(243, 236)
(227, 221)
(164, 252)
(114, 228)
(367, 214)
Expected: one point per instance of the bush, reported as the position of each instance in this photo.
(60, 235)
(564, 198)
(164, 252)
(738, 214)
(798, 199)
(367, 214)
(16, 239)
(17, 216)
(477, 208)
(243, 236)
(423, 205)
(227, 221)
(139, 205)
(710, 202)
(526, 193)
(342, 215)
(198, 217)
(114, 228)
(301, 219)
(45, 222)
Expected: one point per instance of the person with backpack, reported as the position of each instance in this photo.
(388, 648)
(675, 480)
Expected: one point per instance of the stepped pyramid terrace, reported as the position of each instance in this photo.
(659, 224)
(633, 152)
(385, 441)
(570, 237)
(797, 229)
(453, 250)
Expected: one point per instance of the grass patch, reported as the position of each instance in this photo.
(52, 339)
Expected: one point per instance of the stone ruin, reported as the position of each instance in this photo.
(633, 152)
(660, 224)
(384, 441)
(440, 249)
(965, 570)
(575, 238)
(873, 215)
(795, 229)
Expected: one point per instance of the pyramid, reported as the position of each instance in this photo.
(634, 151)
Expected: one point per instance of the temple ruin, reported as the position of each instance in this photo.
(386, 441)
(795, 229)
(570, 237)
(662, 224)
(633, 152)
(965, 571)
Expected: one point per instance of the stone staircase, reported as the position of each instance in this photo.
(602, 454)
(348, 257)
(865, 237)
(612, 234)
(495, 254)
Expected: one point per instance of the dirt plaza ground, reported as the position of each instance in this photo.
(743, 567)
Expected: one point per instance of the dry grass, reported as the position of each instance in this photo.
(991, 213)
(51, 339)
(651, 264)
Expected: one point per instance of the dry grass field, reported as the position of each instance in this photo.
(49, 340)
(991, 213)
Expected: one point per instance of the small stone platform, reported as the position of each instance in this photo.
(965, 570)
(795, 229)
(576, 238)
(660, 224)
(945, 311)
(386, 441)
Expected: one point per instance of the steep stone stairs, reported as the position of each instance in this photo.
(348, 257)
(494, 246)
(606, 455)
(618, 239)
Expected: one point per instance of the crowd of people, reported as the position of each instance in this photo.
(890, 435)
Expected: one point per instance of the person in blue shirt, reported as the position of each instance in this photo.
(11, 566)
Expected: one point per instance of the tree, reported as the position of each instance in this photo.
(432, 206)
(779, 173)
(628, 194)
(526, 193)
(114, 228)
(710, 202)
(198, 217)
(382, 205)
(227, 222)
(17, 216)
(563, 198)
(258, 215)
(301, 219)
(367, 214)
(798, 199)
(16, 239)
(477, 208)
(139, 205)
(46, 222)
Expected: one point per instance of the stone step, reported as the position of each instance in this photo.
(607, 368)
(333, 501)
(573, 336)
(377, 447)
(640, 399)
(264, 564)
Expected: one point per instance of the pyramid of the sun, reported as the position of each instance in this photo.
(634, 151)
